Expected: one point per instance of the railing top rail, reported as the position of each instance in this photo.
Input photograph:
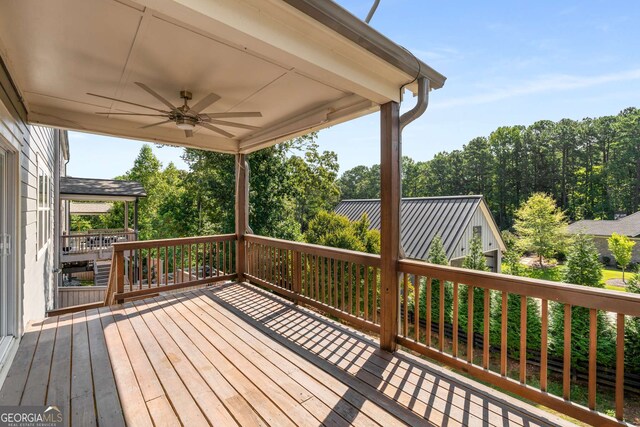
(323, 251)
(110, 233)
(583, 296)
(146, 244)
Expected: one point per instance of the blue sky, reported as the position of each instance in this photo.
(506, 62)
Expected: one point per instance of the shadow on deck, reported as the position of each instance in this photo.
(235, 354)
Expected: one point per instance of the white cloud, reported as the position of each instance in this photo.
(548, 83)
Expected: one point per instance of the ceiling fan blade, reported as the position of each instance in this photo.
(156, 95)
(232, 115)
(126, 102)
(231, 124)
(156, 124)
(204, 103)
(188, 133)
(133, 114)
(216, 129)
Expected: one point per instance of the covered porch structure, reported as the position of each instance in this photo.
(279, 69)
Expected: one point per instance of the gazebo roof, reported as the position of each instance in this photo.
(72, 188)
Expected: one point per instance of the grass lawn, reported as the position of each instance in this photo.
(555, 275)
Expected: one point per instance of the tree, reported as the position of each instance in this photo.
(332, 229)
(632, 330)
(622, 249)
(512, 254)
(436, 255)
(583, 268)
(474, 260)
(540, 225)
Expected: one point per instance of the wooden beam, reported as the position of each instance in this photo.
(390, 156)
(242, 212)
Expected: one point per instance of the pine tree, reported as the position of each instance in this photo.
(437, 255)
(475, 260)
(632, 330)
(583, 268)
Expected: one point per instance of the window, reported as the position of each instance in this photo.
(44, 205)
(477, 230)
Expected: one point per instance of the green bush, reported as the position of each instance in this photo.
(632, 331)
(583, 268)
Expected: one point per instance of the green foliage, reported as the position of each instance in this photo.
(583, 265)
(80, 223)
(583, 268)
(589, 167)
(436, 255)
(512, 254)
(332, 229)
(474, 260)
(622, 248)
(632, 330)
(514, 303)
(540, 226)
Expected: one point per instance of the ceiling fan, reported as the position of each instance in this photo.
(186, 117)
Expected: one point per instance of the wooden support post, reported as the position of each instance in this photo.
(126, 216)
(118, 258)
(242, 212)
(390, 157)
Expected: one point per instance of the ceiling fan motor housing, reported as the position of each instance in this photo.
(186, 122)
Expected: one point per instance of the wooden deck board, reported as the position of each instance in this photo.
(237, 355)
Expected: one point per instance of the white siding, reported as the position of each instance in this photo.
(35, 272)
(490, 241)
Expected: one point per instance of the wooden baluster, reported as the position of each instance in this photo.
(140, 272)
(317, 278)
(211, 267)
(441, 319)
(428, 313)
(329, 281)
(416, 307)
(454, 350)
(175, 275)
(543, 343)
(149, 268)
(343, 284)
(217, 259)
(523, 339)
(566, 371)
(190, 276)
(158, 265)
(620, 367)
(358, 285)
(503, 335)
(485, 334)
(405, 304)
(350, 288)
(166, 265)
(181, 263)
(131, 270)
(366, 292)
(593, 345)
(323, 278)
(470, 294)
(375, 295)
(336, 296)
(224, 259)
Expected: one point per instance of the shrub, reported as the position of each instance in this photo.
(583, 268)
(632, 330)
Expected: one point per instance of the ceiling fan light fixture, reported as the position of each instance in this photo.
(186, 123)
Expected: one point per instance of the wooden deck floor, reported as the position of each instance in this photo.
(235, 354)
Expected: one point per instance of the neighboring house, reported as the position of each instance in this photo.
(601, 230)
(455, 219)
(32, 159)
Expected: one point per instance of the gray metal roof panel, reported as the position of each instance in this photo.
(627, 226)
(421, 220)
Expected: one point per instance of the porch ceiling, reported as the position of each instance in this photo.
(268, 56)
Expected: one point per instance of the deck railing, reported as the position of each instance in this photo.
(152, 266)
(346, 285)
(94, 241)
(342, 283)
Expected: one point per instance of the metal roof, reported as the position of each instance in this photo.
(421, 220)
(72, 188)
(627, 226)
(89, 208)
